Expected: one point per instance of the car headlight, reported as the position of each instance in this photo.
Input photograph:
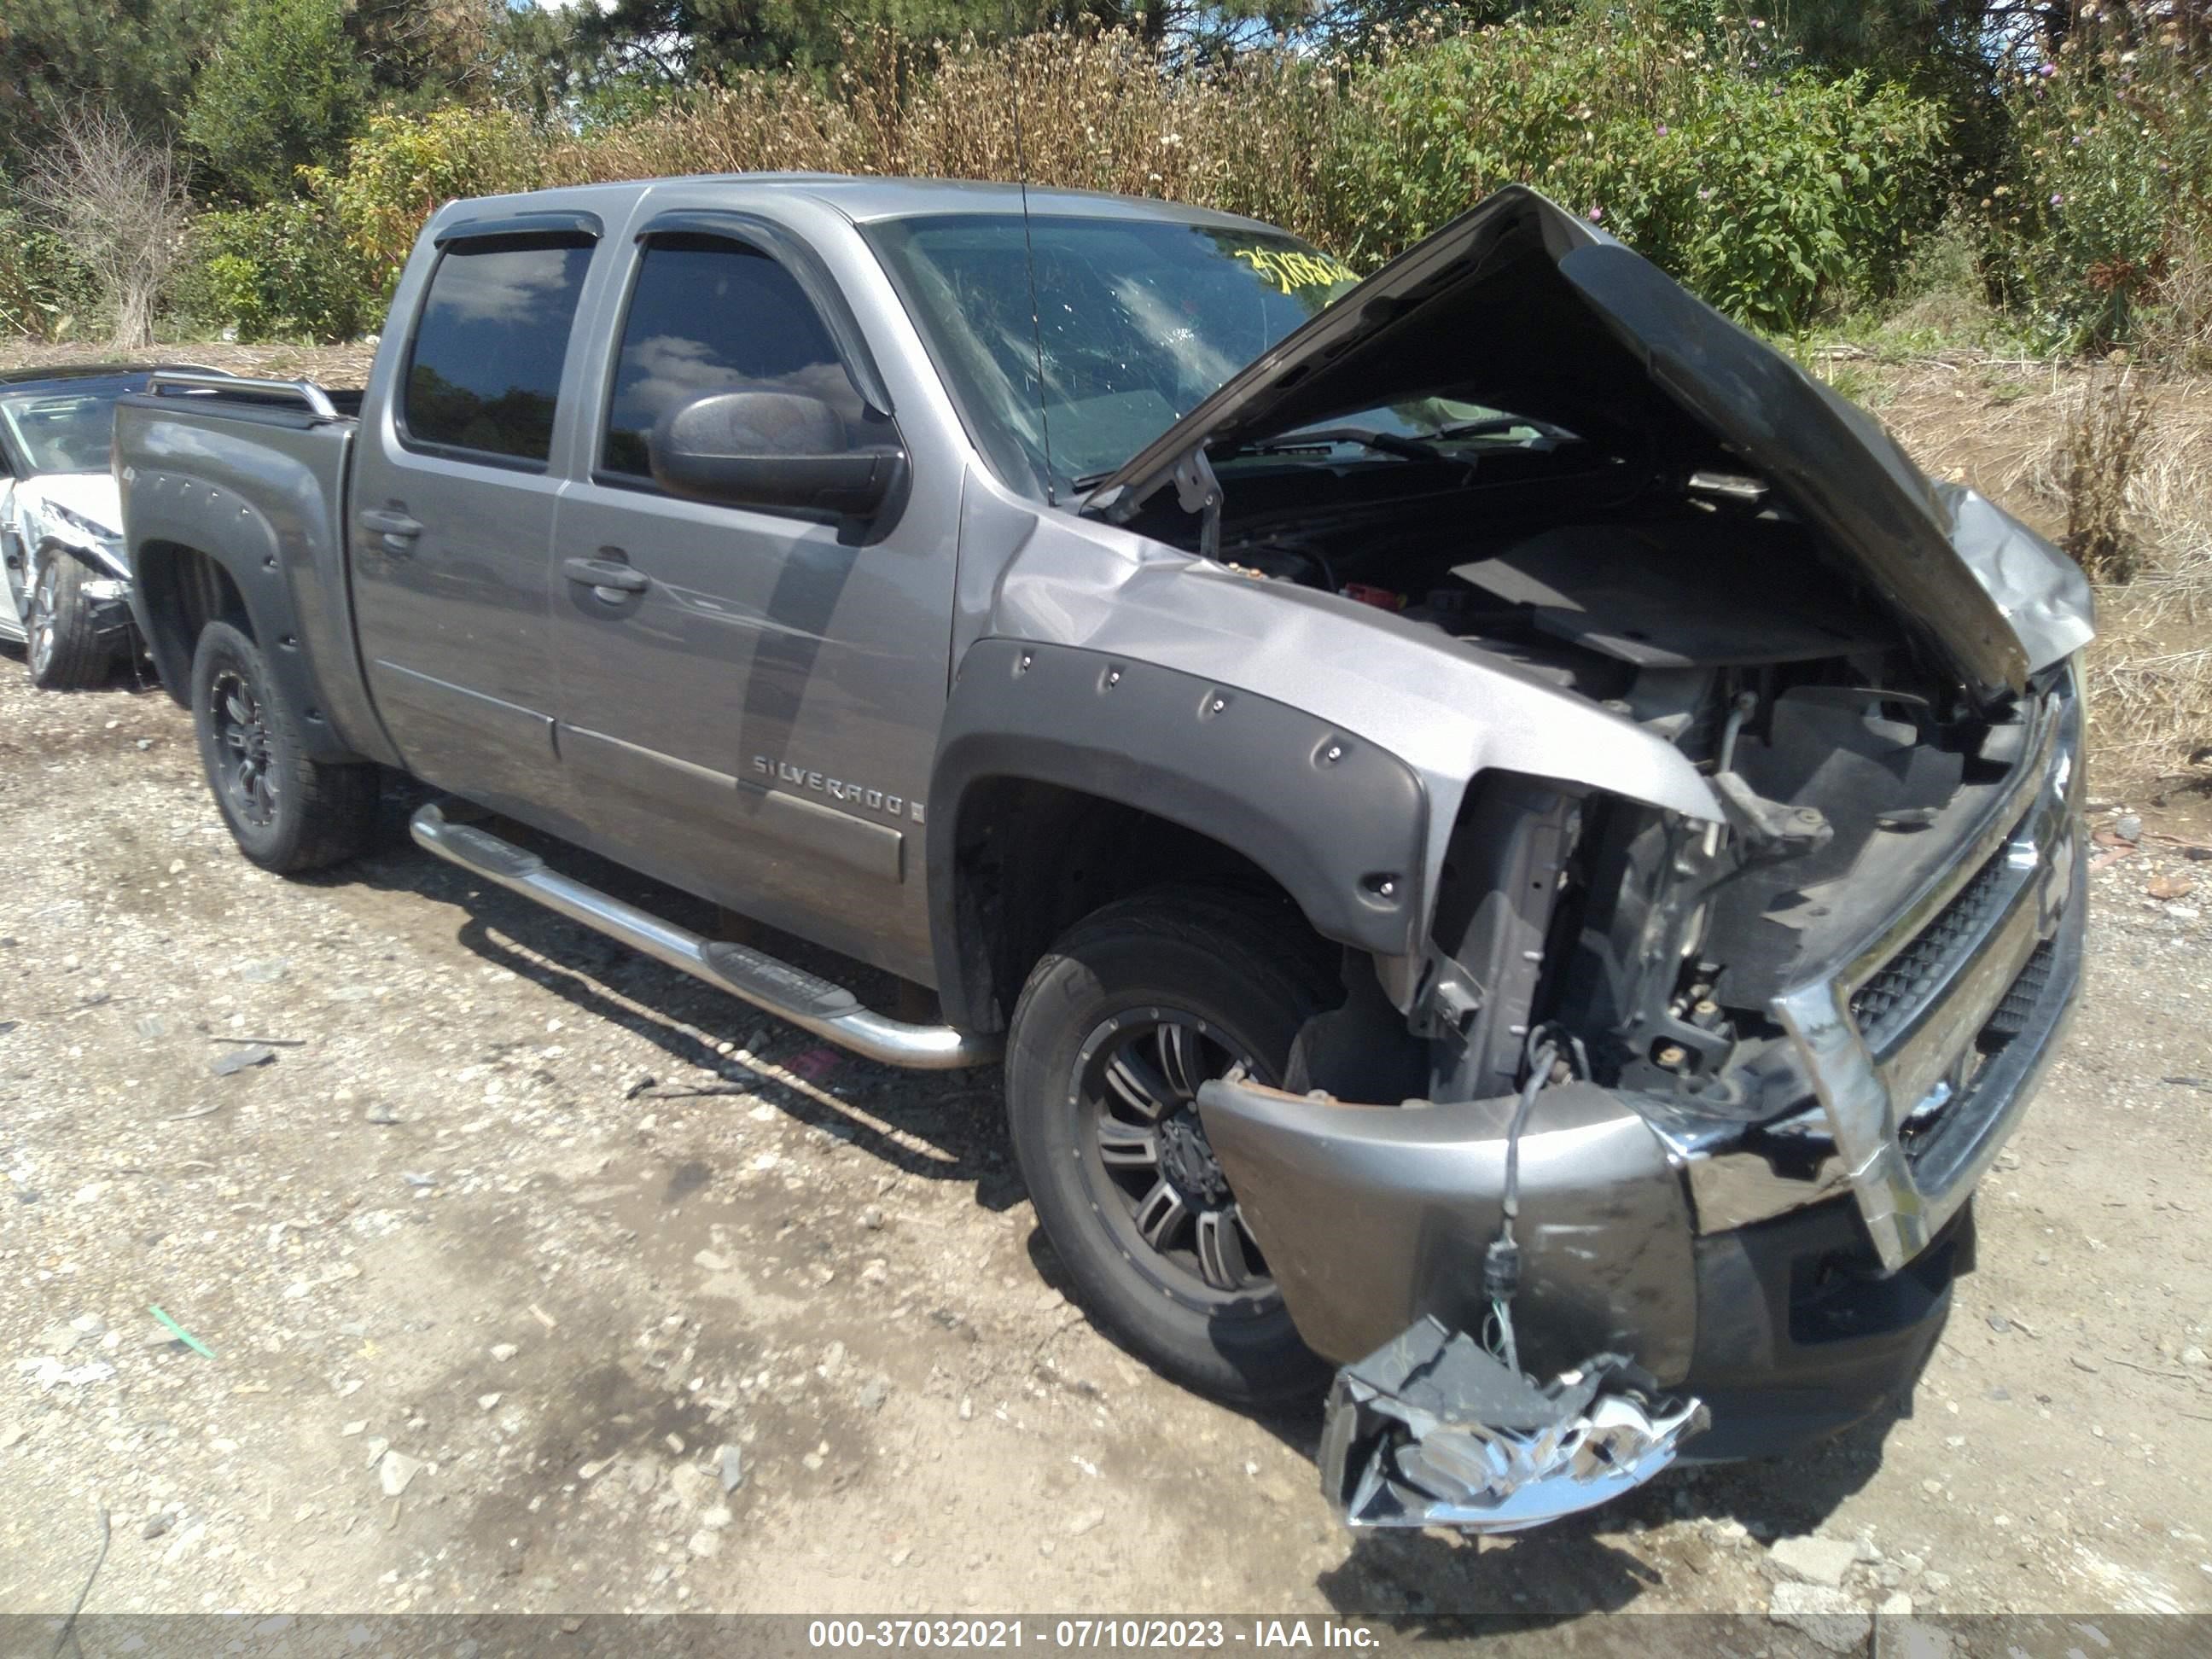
(102, 534)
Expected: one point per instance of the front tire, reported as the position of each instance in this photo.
(62, 646)
(1119, 1024)
(288, 811)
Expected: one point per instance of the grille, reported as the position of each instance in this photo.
(1886, 1004)
(2011, 1017)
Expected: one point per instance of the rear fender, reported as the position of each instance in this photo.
(271, 564)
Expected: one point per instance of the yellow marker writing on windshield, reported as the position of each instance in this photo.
(1289, 269)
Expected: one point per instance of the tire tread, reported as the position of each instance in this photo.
(336, 803)
(80, 661)
(1267, 947)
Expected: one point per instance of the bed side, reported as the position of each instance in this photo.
(234, 507)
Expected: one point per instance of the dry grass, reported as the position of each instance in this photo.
(2104, 434)
(1081, 111)
(2181, 320)
(2015, 430)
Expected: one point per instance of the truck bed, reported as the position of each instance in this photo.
(209, 463)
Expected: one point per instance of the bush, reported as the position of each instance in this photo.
(279, 272)
(284, 90)
(2104, 436)
(405, 167)
(1774, 193)
(2110, 188)
(324, 264)
(45, 291)
(1771, 192)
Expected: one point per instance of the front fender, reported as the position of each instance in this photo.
(1338, 822)
(104, 563)
(1447, 709)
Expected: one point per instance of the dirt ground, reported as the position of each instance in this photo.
(647, 1302)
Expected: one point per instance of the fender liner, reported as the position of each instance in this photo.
(1338, 822)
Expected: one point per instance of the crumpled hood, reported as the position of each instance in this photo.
(93, 496)
(1518, 305)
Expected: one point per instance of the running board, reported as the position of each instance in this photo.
(830, 1011)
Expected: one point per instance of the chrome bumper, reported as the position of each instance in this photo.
(1925, 1048)
(1432, 1430)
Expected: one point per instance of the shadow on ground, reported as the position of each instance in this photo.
(956, 1116)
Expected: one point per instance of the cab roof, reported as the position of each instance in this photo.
(866, 200)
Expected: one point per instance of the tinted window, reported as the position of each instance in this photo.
(707, 316)
(486, 365)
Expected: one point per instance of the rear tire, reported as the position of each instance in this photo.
(61, 646)
(287, 812)
(1127, 1013)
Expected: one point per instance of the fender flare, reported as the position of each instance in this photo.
(1338, 822)
(238, 538)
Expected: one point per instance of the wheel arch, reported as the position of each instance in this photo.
(1067, 778)
(179, 590)
(182, 578)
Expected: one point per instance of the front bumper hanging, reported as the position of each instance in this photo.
(1431, 1429)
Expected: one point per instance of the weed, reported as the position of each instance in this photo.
(2102, 440)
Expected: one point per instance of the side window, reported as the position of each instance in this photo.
(707, 315)
(485, 366)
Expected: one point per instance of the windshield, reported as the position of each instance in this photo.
(65, 430)
(1137, 321)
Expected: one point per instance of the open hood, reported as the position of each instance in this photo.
(1518, 305)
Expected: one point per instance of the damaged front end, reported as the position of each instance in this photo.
(1745, 1201)
(1433, 1429)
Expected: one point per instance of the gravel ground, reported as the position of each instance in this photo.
(532, 1275)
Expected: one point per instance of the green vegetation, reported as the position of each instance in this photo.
(1906, 174)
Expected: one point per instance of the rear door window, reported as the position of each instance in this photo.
(711, 315)
(483, 377)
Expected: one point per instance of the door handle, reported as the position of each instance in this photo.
(607, 575)
(395, 530)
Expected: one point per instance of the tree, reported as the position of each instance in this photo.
(427, 48)
(117, 201)
(285, 91)
(134, 58)
(687, 42)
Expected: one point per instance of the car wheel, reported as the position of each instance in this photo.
(1119, 1024)
(61, 645)
(286, 811)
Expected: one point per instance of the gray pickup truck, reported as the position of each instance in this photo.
(1514, 848)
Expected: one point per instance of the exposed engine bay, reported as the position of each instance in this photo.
(1704, 615)
(1581, 940)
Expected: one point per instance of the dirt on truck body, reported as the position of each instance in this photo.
(1516, 850)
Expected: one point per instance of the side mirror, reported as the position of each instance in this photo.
(775, 451)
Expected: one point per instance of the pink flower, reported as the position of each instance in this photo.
(2056, 200)
(2046, 71)
(1662, 129)
(1596, 213)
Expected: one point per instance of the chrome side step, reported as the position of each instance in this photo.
(830, 1011)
